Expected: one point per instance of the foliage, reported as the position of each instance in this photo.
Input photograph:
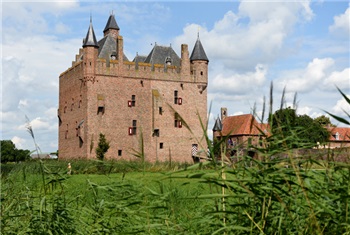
(300, 131)
(324, 121)
(102, 147)
(9, 152)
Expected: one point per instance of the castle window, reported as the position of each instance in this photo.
(177, 121)
(81, 142)
(119, 152)
(160, 110)
(133, 100)
(134, 122)
(175, 97)
(161, 145)
(101, 109)
(202, 73)
(66, 134)
(100, 104)
(156, 132)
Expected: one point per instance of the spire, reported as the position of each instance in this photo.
(90, 39)
(198, 52)
(217, 125)
(111, 24)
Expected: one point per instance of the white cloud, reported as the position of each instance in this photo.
(241, 46)
(19, 142)
(341, 106)
(341, 79)
(341, 25)
(306, 79)
(239, 83)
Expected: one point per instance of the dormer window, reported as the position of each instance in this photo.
(168, 61)
(114, 55)
(337, 136)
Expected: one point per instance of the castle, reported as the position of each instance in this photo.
(144, 105)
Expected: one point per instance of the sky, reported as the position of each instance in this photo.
(300, 46)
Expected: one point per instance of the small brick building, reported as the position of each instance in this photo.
(156, 96)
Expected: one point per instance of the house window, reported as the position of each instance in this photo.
(161, 145)
(133, 100)
(175, 97)
(160, 110)
(119, 152)
(134, 127)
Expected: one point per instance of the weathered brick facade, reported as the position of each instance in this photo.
(103, 92)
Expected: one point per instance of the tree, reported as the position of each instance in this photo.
(324, 121)
(9, 152)
(102, 147)
(311, 131)
(296, 131)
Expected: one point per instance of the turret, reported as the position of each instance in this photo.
(90, 48)
(217, 129)
(199, 63)
(112, 27)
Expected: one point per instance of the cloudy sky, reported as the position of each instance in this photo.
(300, 45)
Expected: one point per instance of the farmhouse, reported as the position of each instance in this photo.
(339, 137)
(243, 132)
(143, 105)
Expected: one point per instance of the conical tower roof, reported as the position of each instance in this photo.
(111, 24)
(90, 39)
(217, 125)
(198, 52)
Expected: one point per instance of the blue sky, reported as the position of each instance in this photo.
(300, 45)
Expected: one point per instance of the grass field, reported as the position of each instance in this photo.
(250, 197)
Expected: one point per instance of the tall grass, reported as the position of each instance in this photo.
(249, 196)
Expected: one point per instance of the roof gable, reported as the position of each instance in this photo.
(242, 125)
(159, 55)
(107, 46)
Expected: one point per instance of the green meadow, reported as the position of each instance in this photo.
(248, 197)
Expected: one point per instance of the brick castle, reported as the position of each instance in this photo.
(155, 96)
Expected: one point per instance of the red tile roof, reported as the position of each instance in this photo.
(242, 125)
(343, 133)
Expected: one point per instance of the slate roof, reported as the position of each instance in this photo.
(198, 52)
(139, 58)
(343, 133)
(242, 125)
(111, 23)
(217, 125)
(159, 55)
(107, 46)
(90, 39)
